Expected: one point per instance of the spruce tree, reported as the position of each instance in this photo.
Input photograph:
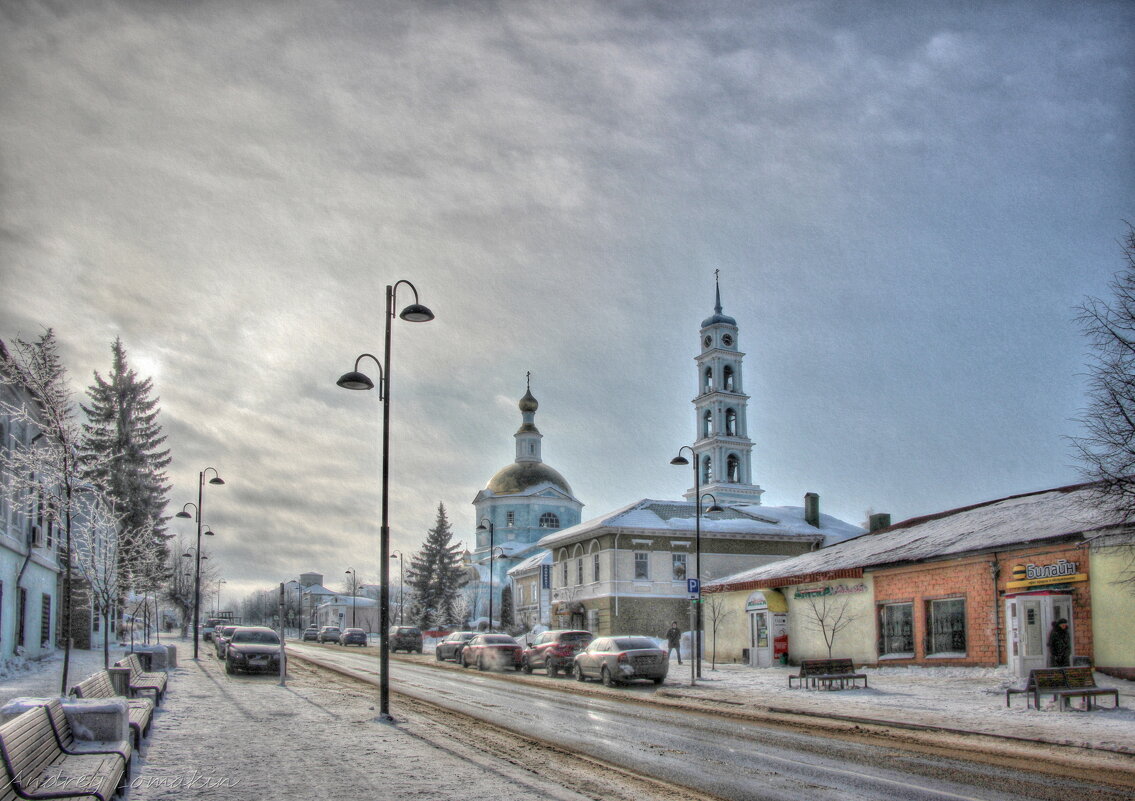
(436, 576)
(122, 452)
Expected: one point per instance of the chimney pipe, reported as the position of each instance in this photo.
(878, 521)
(812, 509)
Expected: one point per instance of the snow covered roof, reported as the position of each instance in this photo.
(1047, 514)
(678, 517)
(318, 589)
(540, 558)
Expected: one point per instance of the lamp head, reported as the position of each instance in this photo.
(209, 532)
(355, 380)
(184, 514)
(216, 480)
(713, 507)
(416, 313)
(679, 459)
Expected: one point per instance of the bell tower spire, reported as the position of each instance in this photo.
(722, 445)
(528, 436)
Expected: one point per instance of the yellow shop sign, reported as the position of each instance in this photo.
(1059, 572)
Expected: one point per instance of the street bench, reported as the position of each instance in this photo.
(38, 766)
(1063, 684)
(826, 672)
(141, 680)
(140, 711)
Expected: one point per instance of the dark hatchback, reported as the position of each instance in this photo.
(353, 637)
(252, 649)
(451, 646)
(555, 650)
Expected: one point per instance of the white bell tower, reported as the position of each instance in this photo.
(722, 446)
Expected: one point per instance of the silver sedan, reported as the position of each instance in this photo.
(616, 660)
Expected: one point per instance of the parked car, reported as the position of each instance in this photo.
(353, 637)
(488, 651)
(221, 636)
(311, 634)
(210, 625)
(616, 660)
(253, 648)
(328, 634)
(405, 638)
(555, 650)
(451, 646)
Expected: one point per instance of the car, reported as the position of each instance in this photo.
(253, 648)
(210, 625)
(353, 637)
(328, 634)
(221, 636)
(617, 660)
(311, 634)
(555, 650)
(451, 646)
(405, 638)
(488, 651)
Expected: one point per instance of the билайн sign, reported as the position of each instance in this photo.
(1059, 572)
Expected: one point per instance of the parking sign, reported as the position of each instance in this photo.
(693, 587)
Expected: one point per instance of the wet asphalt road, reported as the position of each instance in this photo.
(723, 757)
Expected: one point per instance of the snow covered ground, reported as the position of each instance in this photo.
(216, 733)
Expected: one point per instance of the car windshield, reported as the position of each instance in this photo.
(264, 637)
(575, 636)
(355, 631)
(227, 630)
(633, 643)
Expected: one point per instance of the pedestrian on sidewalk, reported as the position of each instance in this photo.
(1059, 646)
(674, 640)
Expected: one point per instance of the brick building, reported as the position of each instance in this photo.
(979, 586)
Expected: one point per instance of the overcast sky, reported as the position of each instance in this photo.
(905, 207)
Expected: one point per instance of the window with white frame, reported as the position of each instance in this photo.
(579, 570)
(946, 626)
(897, 626)
(595, 566)
(549, 520)
(679, 569)
(642, 565)
(564, 583)
(510, 519)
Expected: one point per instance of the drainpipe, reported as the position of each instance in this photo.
(995, 573)
(615, 576)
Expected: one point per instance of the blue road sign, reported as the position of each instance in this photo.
(693, 587)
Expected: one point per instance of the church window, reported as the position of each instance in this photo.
(642, 566)
(679, 570)
(733, 469)
(730, 423)
(510, 519)
(707, 470)
(549, 520)
(707, 424)
(707, 385)
(727, 379)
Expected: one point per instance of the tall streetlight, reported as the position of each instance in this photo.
(401, 585)
(354, 589)
(492, 529)
(414, 313)
(695, 600)
(216, 479)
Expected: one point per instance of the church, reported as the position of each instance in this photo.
(626, 571)
(523, 502)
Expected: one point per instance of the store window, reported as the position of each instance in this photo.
(642, 566)
(897, 625)
(946, 626)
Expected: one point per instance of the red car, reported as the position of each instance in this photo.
(555, 650)
(488, 651)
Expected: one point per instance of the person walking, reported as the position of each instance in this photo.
(1059, 644)
(674, 640)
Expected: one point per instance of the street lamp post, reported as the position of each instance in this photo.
(695, 600)
(354, 590)
(414, 313)
(216, 479)
(492, 536)
(401, 585)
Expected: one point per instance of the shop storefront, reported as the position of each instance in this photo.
(1040, 593)
(767, 611)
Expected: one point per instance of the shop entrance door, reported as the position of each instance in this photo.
(760, 653)
(1030, 619)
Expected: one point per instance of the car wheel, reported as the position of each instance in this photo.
(579, 673)
(480, 663)
(659, 680)
(553, 668)
(437, 655)
(526, 666)
(229, 667)
(464, 661)
(608, 679)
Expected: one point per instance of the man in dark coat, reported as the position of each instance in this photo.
(1059, 644)
(674, 640)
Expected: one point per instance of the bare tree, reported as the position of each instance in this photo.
(715, 614)
(829, 615)
(1107, 449)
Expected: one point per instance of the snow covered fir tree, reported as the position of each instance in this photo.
(436, 576)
